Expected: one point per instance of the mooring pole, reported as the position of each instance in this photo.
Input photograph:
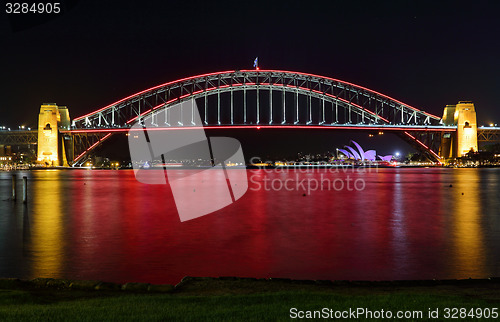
(25, 189)
(13, 187)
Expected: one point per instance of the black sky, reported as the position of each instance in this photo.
(427, 54)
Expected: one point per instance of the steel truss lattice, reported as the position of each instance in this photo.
(18, 137)
(488, 134)
(83, 143)
(262, 97)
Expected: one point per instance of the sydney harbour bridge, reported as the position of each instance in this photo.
(255, 99)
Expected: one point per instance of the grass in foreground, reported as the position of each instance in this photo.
(228, 303)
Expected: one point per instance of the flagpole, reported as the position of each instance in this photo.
(256, 63)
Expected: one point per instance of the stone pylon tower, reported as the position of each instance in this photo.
(463, 115)
(50, 147)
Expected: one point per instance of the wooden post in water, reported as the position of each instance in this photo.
(14, 187)
(25, 189)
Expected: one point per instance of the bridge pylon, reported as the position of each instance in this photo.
(51, 146)
(462, 115)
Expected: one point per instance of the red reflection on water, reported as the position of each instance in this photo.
(396, 227)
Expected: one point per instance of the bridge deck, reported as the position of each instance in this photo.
(285, 126)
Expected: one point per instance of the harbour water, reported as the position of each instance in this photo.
(434, 223)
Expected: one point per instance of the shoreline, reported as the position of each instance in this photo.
(251, 167)
(208, 284)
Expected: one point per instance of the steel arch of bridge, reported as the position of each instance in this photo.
(335, 102)
(326, 103)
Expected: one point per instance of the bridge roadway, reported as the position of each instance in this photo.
(362, 127)
(484, 133)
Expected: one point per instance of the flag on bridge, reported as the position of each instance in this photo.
(256, 63)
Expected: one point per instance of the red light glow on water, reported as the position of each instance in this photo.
(383, 225)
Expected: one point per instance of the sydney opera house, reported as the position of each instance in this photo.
(361, 155)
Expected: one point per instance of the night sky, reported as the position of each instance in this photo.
(426, 54)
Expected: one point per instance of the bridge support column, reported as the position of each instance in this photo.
(283, 101)
(462, 115)
(258, 107)
(270, 105)
(297, 106)
(50, 120)
(244, 106)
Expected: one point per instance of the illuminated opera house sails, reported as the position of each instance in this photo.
(361, 155)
